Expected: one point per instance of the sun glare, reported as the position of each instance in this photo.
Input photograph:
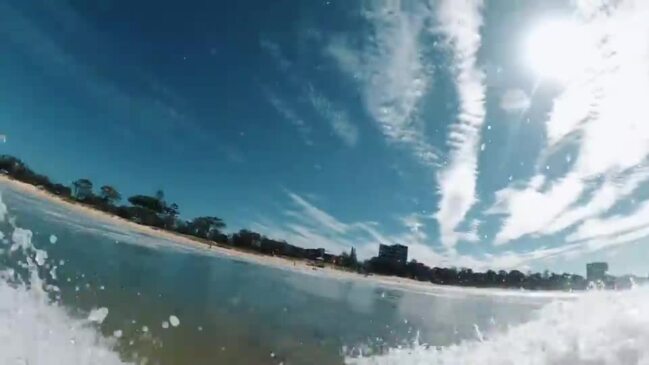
(558, 50)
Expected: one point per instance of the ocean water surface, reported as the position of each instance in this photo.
(75, 290)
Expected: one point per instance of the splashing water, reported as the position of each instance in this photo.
(598, 328)
(35, 330)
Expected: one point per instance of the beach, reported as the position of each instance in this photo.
(301, 266)
(127, 281)
(155, 232)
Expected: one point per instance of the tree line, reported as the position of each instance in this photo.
(156, 211)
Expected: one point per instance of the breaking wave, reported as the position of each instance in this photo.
(596, 328)
(34, 328)
(599, 328)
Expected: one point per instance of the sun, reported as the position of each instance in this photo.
(558, 50)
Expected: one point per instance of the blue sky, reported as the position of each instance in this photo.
(497, 134)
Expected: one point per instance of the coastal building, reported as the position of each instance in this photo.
(314, 253)
(331, 258)
(394, 253)
(596, 271)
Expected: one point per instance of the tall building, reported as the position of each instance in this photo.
(396, 253)
(596, 271)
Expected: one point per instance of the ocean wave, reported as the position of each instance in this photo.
(34, 329)
(598, 328)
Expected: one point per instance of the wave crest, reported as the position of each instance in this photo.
(597, 328)
(34, 329)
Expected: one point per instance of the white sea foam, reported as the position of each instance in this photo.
(98, 315)
(598, 328)
(174, 321)
(3, 210)
(35, 330)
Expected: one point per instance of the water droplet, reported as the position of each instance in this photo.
(98, 315)
(174, 321)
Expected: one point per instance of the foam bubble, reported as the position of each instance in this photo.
(53, 239)
(598, 328)
(98, 314)
(174, 321)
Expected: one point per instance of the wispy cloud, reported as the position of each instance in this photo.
(614, 225)
(602, 113)
(337, 118)
(389, 67)
(603, 199)
(289, 114)
(514, 100)
(276, 53)
(529, 210)
(308, 225)
(310, 213)
(460, 22)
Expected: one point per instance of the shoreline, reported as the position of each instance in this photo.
(282, 263)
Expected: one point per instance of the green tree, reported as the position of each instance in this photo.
(148, 202)
(246, 238)
(206, 227)
(160, 195)
(82, 189)
(353, 260)
(109, 194)
(170, 216)
(349, 259)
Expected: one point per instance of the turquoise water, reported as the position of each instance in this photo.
(229, 311)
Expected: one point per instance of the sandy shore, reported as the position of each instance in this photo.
(302, 266)
(167, 235)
